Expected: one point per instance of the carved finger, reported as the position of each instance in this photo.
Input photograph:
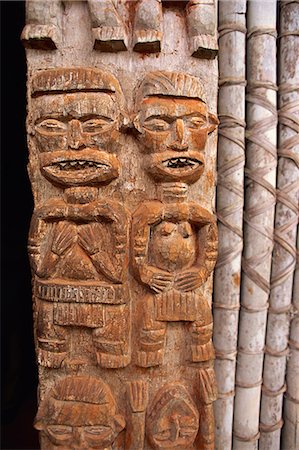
(138, 395)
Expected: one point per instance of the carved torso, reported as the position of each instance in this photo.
(173, 246)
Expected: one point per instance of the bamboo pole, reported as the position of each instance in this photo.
(286, 219)
(231, 159)
(260, 196)
(290, 431)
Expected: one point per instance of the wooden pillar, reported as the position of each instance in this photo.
(123, 241)
(230, 202)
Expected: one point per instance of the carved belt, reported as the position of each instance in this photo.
(54, 291)
(172, 306)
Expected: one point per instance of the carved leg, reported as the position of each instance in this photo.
(148, 26)
(41, 31)
(109, 31)
(112, 341)
(207, 394)
(201, 24)
(201, 335)
(52, 345)
(152, 336)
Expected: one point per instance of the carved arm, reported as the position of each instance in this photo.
(147, 215)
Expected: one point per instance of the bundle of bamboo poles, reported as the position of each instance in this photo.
(231, 159)
(266, 386)
(284, 252)
(260, 198)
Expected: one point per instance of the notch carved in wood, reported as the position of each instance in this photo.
(78, 244)
(201, 26)
(43, 31)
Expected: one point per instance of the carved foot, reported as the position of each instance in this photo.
(110, 361)
(40, 37)
(147, 41)
(110, 39)
(47, 358)
(202, 352)
(149, 359)
(204, 46)
(74, 362)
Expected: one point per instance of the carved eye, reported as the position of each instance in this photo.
(187, 432)
(197, 122)
(52, 126)
(163, 435)
(156, 124)
(60, 432)
(96, 125)
(97, 430)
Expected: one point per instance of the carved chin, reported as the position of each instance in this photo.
(85, 167)
(186, 168)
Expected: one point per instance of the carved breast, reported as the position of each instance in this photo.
(173, 246)
(74, 261)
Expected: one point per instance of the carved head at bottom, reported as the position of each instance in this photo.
(79, 413)
(173, 419)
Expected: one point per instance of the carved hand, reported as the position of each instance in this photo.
(207, 385)
(190, 279)
(63, 239)
(158, 280)
(138, 395)
(88, 240)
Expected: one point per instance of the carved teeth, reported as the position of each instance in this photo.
(79, 165)
(177, 163)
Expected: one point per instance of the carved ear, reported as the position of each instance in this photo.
(213, 122)
(136, 123)
(119, 423)
(38, 425)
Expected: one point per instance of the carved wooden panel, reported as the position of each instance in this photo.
(123, 239)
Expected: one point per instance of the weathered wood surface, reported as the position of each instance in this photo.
(230, 193)
(123, 240)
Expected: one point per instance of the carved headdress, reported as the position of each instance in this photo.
(79, 401)
(71, 80)
(174, 84)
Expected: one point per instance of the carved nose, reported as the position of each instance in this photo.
(77, 441)
(175, 429)
(75, 138)
(179, 144)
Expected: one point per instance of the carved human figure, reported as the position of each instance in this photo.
(172, 420)
(79, 412)
(78, 243)
(201, 26)
(42, 29)
(174, 241)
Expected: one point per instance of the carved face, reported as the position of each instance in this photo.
(76, 135)
(101, 435)
(79, 413)
(175, 131)
(175, 424)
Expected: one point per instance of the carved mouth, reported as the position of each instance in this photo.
(78, 165)
(181, 163)
(170, 166)
(73, 169)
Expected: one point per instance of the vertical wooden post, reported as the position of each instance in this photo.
(123, 240)
(231, 160)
